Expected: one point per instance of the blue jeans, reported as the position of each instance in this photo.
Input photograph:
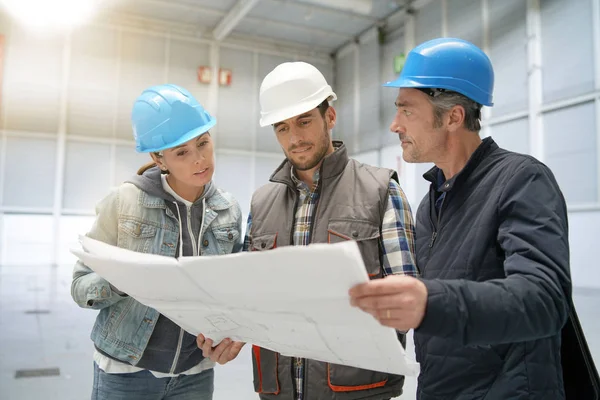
(144, 386)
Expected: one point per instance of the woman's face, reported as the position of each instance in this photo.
(191, 164)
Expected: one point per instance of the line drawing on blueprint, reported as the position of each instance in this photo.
(222, 323)
(302, 310)
(325, 341)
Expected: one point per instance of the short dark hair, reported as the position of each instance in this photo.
(323, 107)
(443, 100)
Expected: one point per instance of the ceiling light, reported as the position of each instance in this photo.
(46, 14)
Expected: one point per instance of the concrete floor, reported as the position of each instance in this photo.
(41, 327)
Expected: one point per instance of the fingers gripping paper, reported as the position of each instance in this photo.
(292, 300)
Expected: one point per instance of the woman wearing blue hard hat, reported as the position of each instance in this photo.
(171, 208)
(492, 311)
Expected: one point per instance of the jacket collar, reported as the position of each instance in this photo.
(332, 166)
(219, 202)
(215, 202)
(487, 146)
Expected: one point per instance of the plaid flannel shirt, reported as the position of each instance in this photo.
(397, 239)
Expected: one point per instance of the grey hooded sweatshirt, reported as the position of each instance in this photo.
(170, 348)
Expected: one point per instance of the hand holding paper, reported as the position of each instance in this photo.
(224, 352)
(395, 301)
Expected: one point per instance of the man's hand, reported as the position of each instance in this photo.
(226, 351)
(395, 301)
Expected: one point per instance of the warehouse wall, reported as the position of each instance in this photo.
(65, 104)
(65, 124)
(547, 77)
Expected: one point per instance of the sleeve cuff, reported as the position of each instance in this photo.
(434, 321)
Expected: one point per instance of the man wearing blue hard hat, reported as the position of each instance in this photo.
(492, 312)
(171, 208)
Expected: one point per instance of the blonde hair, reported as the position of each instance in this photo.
(146, 167)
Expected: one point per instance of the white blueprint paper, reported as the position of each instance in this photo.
(292, 300)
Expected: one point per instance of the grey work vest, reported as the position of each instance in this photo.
(351, 205)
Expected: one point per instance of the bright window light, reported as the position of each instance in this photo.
(50, 14)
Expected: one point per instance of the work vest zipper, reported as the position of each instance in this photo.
(310, 232)
(316, 208)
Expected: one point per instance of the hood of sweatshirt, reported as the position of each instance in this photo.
(171, 349)
(189, 214)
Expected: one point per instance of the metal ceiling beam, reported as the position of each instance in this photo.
(380, 24)
(362, 7)
(117, 19)
(282, 45)
(309, 29)
(158, 27)
(185, 7)
(407, 8)
(233, 18)
(329, 10)
(418, 4)
(260, 21)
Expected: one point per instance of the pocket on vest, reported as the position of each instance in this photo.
(341, 378)
(265, 364)
(365, 233)
(264, 242)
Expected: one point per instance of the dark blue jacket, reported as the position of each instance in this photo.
(495, 260)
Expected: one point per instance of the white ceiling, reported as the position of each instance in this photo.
(323, 26)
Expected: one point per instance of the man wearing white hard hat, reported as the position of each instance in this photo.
(320, 195)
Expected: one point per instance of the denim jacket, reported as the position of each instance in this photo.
(133, 219)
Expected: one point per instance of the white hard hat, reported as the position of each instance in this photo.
(291, 89)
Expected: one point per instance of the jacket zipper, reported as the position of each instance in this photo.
(189, 226)
(196, 252)
(435, 230)
(200, 234)
(178, 352)
(434, 234)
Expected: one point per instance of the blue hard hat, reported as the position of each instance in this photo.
(166, 116)
(451, 64)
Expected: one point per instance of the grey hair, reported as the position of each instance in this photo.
(442, 101)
